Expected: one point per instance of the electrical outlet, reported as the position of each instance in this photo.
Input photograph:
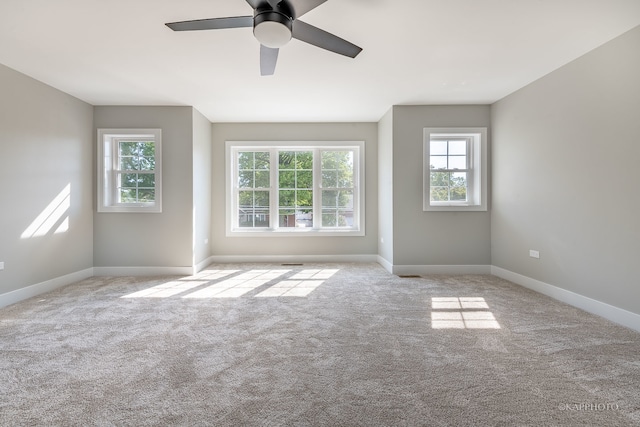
(534, 254)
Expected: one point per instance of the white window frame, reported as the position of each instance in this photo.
(108, 170)
(232, 227)
(476, 169)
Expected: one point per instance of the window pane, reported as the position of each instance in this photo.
(262, 178)
(329, 160)
(458, 147)
(128, 195)
(329, 218)
(329, 198)
(287, 218)
(457, 162)
(345, 218)
(459, 186)
(129, 180)
(147, 163)
(146, 195)
(287, 198)
(345, 179)
(439, 194)
(304, 160)
(147, 180)
(287, 179)
(245, 218)
(304, 198)
(128, 148)
(459, 194)
(448, 186)
(245, 199)
(245, 160)
(439, 179)
(261, 199)
(129, 163)
(329, 179)
(286, 160)
(304, 179)
(261, 217)
(136, 155)
(337, 218)
(459, 179)
(345, 199)
(253, 208)
(438, 147)
(304, 219)
(438, 162)
(245, 179)
(262, 160)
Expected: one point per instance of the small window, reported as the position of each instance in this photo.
(455, 169)
(129, 166)
(295, 188)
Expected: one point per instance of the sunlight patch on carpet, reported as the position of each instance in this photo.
(238, 285)
(462, 313)
(210, 284)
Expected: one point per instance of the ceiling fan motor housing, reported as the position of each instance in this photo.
(272, 28)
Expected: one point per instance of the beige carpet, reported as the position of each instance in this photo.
(312, 345)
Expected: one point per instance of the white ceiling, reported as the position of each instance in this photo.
(119, 52)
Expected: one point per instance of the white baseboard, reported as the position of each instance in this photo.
(227, 259)
(143, 271)
(385, 264)
(440, 269)
(609, 312)
(42, 287)
(202, 265)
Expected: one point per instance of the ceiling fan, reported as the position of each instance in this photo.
(275, 23)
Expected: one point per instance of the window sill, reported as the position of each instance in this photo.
(298, 232)
(130, 209)
(455, 208)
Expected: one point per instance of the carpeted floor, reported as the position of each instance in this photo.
(312, 345)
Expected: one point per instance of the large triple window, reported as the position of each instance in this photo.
(295, 188)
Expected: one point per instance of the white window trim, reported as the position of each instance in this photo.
(107, 157)
(477, 163)
(232, 230)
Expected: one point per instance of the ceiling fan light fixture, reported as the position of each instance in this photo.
(272, 29)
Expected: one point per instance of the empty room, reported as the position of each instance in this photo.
(319, 213)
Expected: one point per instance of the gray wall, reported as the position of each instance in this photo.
(385, 187)
(45, 145)
(296, 245)
(201, 187)
(161, 239)
(433, 238)
(565, 176)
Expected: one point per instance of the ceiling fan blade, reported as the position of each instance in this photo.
(300, 7)
(268, 60)
(212, 24)
(320, 38)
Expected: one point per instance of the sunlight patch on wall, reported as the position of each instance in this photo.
(462, 313)
(53, 218)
